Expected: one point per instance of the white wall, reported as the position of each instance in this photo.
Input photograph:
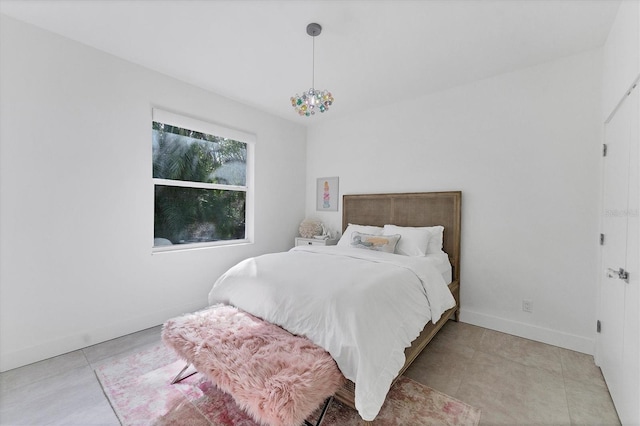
(524, 149)
(76, 206)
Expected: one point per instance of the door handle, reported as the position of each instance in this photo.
(620, 273)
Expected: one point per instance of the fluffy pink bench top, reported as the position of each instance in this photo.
(276, 377)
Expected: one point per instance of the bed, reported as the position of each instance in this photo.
(411, 209)
(336, 296)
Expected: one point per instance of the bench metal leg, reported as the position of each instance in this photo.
(180, 376)
(322, 413)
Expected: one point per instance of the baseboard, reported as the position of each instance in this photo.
(539, 334)
(63, 345)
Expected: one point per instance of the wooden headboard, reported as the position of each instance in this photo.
(410, 209)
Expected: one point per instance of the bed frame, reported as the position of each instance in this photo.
(410, 209)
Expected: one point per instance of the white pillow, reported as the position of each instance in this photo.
(345, 240)
(436, 242)
(417, 241)
(414, 241)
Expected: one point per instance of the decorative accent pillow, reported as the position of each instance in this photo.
(345, 241)
(385, 243)
(417, 241)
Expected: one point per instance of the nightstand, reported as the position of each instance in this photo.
(314, 242)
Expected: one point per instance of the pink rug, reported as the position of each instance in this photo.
(139, 391)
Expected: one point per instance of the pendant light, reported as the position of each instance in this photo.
(312, 100)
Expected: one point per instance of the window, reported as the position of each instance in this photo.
(201, 182)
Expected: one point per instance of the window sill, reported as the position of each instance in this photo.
(198, 246)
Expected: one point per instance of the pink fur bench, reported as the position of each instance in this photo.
(276, 377)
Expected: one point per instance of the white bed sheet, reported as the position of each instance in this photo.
(336, 297)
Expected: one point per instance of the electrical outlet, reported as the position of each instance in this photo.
(527, 305)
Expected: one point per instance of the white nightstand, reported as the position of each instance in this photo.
(314, 242)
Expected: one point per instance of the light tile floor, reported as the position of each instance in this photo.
(64, 390)
(513, 381)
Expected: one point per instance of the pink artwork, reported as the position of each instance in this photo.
(327, 194)
(326, 199)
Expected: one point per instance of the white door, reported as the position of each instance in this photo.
(617, 344)
(629, 408)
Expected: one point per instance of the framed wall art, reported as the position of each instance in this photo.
(327, 194)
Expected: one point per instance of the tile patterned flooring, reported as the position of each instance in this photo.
(514, 381)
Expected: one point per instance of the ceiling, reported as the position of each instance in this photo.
(370, 53)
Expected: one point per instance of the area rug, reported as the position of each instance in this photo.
(139, 390)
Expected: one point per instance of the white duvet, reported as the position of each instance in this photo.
(364, 307)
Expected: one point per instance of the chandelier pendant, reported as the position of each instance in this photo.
(312, 100)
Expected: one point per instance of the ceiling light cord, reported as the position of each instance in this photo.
(313, 62)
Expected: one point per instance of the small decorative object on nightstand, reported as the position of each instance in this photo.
(310, 227)
(315, 242)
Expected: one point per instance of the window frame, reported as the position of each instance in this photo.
(203, 126)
